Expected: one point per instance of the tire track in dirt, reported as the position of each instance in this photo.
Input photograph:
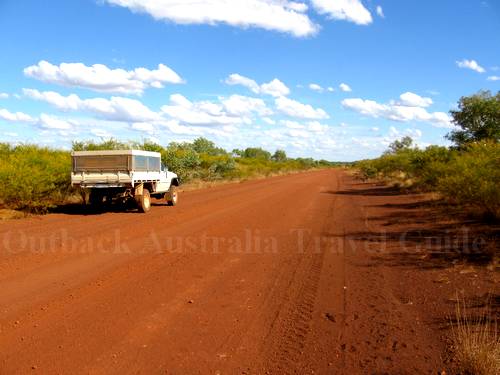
(287, 335)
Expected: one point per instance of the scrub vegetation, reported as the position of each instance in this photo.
(36, 179)
(466, 174)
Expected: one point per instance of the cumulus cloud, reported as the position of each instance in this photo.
(311, 126)
(397, 112)
(15, 116)
(470, 64)
(196, 113)
(239, 105)
(317, 127)
(100, 78)
(101, 133)
(4, 95)
(316, 87)
(277, 15)
(145, 127)
(345, 87)
(413, 100)
(274, 88)
(114, 109)
(494, 78)
(292, 124)
(348, 10)
(380, 11)
(297, 109)
(268, 120)
(51, 122)
(234, 110)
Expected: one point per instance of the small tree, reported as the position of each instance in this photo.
(257, 153)
(279, 155)
(404, 143)
(238, 153)
(478, 116)
(204, 146)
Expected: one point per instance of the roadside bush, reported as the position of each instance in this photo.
(216, 167)
(469, 177)
(429, 165)
(472, 178)
(182, 159)
(409, 166)
(33, 178)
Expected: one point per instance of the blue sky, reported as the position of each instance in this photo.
(334, 79)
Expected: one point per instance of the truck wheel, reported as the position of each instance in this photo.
(144, 201)
(172, 196)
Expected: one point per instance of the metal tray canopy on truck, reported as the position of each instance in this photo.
(123, 174)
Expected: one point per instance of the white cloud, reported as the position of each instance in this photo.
(380, 11)
(316, 87)
(470, 64)
(101, 133)
(114, 109)
(494, 78)
(277, 15)
(294, 108)
(238, 105)
(268, 121)
(374, 129)
(52, 122)
(349, 10)
(395, 133)
(237, 79)
(197, 113)
(145, 127)
(274, 88)
(345, 87)
(100, 78)
(4, 95)
(330, 89)
(397, 112)
(15, 116)
(317, 127)
(292, 124)
(413, 100)
(311, 126)
(236, 109)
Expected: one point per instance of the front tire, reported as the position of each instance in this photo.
(144, 201)
(172, 196)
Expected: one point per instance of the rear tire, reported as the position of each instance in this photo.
(144, 201)
(172, 196)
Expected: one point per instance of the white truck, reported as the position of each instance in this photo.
(128, 175)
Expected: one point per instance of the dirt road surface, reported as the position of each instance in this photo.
(268, 276)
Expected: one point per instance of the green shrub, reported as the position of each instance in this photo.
(472, 178)
(33, 178)
(217, 167)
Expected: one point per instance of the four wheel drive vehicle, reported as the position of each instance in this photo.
(129, 175)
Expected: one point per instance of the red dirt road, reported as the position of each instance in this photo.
(258, 277)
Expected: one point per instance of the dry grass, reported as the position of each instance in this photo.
(6, 214)
(476, 343)
(197, 184)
